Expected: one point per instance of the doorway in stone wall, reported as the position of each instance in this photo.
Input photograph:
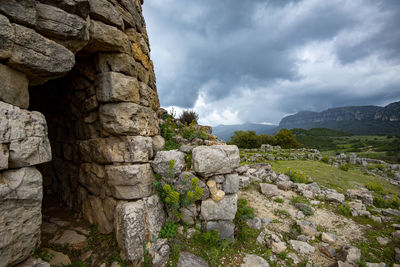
(70, 107)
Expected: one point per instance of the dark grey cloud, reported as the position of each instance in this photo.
(285, 55)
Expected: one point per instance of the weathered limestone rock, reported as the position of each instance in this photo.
(4, 155)
(334, 196)
(226, 229)
(25, 133)
(112, 149)
(161, 163)
(55, 22)
(22, 12)
(128, 119)
(269, 190)
(140, 50)
(362, 194)
(93, 211)
(79, 7)
(116, 62)
(104, 11)
(40, 58)
(105, 38)
(6, 37)
(20, 201)
(349, 254)
(159, 252)
(187, 259)
(133, 220)
(231, 183)
(216, 195)
(212, 160)
(13, 86)
(254, 260)
(158, 143)
(130, 181)
(149, 97)
(302, 247)
(117, 87)
(222, 210)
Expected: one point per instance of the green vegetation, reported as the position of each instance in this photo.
(250, 139)
(332, 177)
(279, 200)
(344, 167)
(298, 176)
(374, 187)
(168, 230)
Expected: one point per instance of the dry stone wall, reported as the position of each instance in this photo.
(85, 66)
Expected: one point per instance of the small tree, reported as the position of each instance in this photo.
(286, 139)
(188, 116)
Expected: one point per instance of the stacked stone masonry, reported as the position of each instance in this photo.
(85, 66)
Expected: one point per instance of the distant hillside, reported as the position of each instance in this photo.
(224, 132)
(354, 119)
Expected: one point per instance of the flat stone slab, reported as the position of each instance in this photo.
(71, 239)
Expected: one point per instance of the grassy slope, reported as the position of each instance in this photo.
(332, 177)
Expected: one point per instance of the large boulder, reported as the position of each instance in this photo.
(362, 194)
(21, 217)
(226, 229)
(269, 190)
(25, 134)
(6, 37)
(224, 209)
(135, 222)
(212, 160)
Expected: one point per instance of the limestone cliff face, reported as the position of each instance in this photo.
(336, 117)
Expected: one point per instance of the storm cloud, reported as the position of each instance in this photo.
(236, 61)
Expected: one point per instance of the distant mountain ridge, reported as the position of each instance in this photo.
(351, 119)
(224, 132)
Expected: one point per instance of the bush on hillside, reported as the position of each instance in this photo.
(189, 116)
(286, 139)
(250, 139)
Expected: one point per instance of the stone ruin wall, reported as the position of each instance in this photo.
(78, 120)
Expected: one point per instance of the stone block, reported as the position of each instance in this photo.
(231, 183)
(25, 133)
(117, 87)
(221, 210)
(55, 22)
(226, 229)
(132, 221)
(161, 163)
(212, 160)
(6, 37)
(116, 62)
(14, 87)
(21, 217)
(130, 181)
(128, 119)
(21, 12)
(40, 58)
(4, 154)
(106, 38)
(104, 11)
(149, 97)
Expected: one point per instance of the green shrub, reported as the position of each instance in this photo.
(168, 230)
(243, 213)
(393, 202)
(188, 117)
(282, 213)
(286, 139)
(207, 238)
(325, 159)
(298, 176)
(307, 210)
(344, 167)
(279, 200)
(374, 187)
(298, 199)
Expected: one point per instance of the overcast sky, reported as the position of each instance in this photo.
(236, 61)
